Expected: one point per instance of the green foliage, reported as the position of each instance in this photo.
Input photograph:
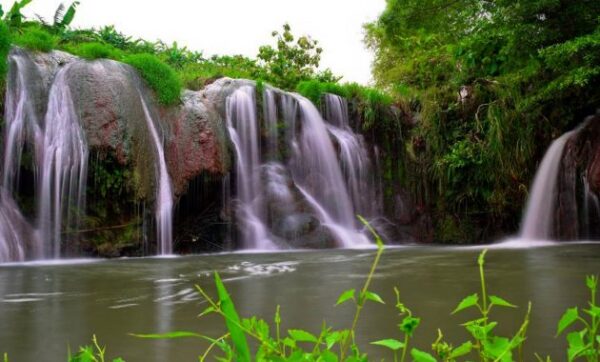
(93, 353)
(160, 77)
(13, 17)
(292, 60)
(36, 38)
(95, 50)
(584, 344)
(63, 19)
(491, 83)
(5, 41)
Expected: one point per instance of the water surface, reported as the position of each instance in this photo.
(44, 308)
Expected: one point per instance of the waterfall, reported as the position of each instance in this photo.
(538, 220)
(64, 167)
(164, 192)
(353, 155)
(243, 130)
(20, 122)
(287, 171)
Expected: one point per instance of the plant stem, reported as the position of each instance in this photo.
(406, 338)
(361, 302)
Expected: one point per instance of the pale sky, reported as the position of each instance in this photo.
(229, 27)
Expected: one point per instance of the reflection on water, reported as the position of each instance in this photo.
(50, 307)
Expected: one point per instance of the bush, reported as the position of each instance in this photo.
(4, 49)
(161, 77)
(95, 50)
(37, 39)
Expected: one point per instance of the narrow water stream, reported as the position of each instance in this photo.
(53, 306)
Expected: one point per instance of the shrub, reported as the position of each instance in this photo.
(160, 77)
(4, 49)
(35, 38)
(95, 50)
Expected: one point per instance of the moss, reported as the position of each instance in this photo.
(95, 50)
(160, 77)
(35, 38)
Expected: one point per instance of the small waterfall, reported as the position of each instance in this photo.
(21, 122)
(12, 246)
(164, 192)
(64, 167)
(538, 220)
(243, 130)
(353, 155)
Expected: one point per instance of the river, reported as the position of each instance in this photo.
(47, 307)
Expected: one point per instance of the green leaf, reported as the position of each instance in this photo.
(498, 347)
(468, 302)
(327, 356)
(420, 356)
(462, 350)
(169, 335)
(70, 14)
(373, 297)
(576, 344)
(594, 311)
(232, 320)
(345, 296)
(390, 343)
(501, 302)
(208, 310)
(567, 319)
(302, 336)
(409, 324)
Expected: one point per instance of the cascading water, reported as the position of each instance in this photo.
(294, 181)
(353, 155)
(64, 167)
(164, 191)
(20, 124)
(538, 221)
(244, 133)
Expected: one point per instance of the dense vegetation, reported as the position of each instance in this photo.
(491, 83)
(469, 95)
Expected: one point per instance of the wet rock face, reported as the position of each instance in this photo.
(578, 210)
(198, 141)
(290, 219)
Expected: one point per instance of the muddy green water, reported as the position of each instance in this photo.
(45, 308)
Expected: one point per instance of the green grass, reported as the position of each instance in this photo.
(160, 77)
(37, 39)
(95, 50)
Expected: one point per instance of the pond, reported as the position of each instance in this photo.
(47, 307)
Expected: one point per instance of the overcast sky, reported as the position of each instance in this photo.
(236, 26)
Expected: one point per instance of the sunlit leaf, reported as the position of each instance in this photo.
(501, 302)
(373, 297)
(468, 302)
(420, 356)
(390, 343)
(169, 335)
(302, 336)
(232, 320)
(567, 319)
(345, 296)
(462, 350)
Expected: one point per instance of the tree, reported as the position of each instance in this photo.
(292, 60)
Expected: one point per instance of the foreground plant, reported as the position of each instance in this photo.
(488, 346)
(584, 344)
(94, 353)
